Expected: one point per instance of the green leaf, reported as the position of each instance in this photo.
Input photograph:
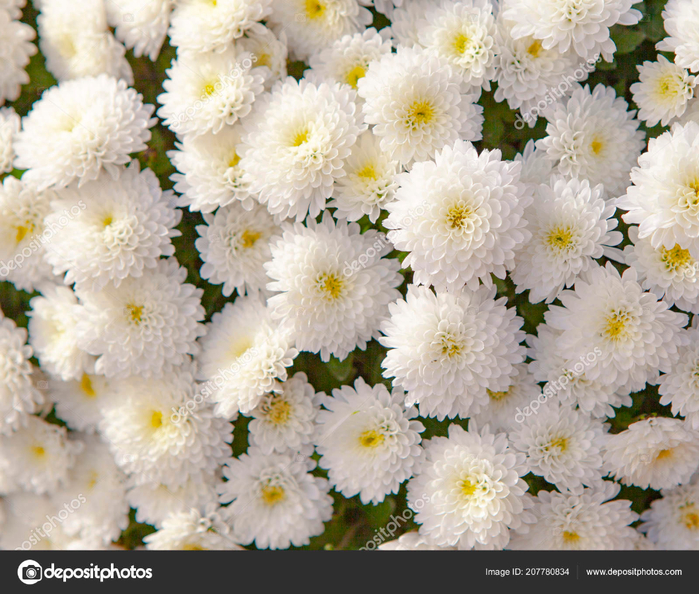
(341, 370)
(626, 39)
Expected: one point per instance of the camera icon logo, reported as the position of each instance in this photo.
(29, 572)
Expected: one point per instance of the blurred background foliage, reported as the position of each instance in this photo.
(354, 524)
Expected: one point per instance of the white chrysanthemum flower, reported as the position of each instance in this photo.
(140, 25)
(205, 92)
(448, 350)
(571, 225)
(331, 299)
(407, 18)
(311, 25)
(209, 168)
(537, 168)
(680, 386)
(460, 217)
(468, 490)
(194, 530)
(367, 441)
(410, 541)
(80, 402)
(414, 101)
(149, 440)
(659, 453)
(24, 235)
(233, 245)
(562, 445)
(276, 501)
(38, 455)
(664, 197)
(681, 21)
(146, 326)
(566, 380)
(583, 25)
(33, 523)
(637, 335)
(123, 228)
(242, 354)
(98, 487)
(672, 522)
(502, 406)
(669, 274)
(15, 53)
(18, 396)
(296, 143)
(691, 114)
(76, 51)
(154, 502)
(592, 136)
(198, 26)
(584, 520)
(52, 333)
(14, 7)
(347, 59)
(527, 73)
(10, 124)
(463, 33)
(269, 53)
(370, 182)
(663, 91)
(79, 128)
(285, 418)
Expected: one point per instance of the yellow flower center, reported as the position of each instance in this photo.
(108, 220)
(450, 347)
(272, 494)
(315, 9)
(156, 419)
(663, 455)
(193, 547)
(38, 452)
(86, 386)
(23, 231)
(497, 396)
(534, 49)
(353, 76)
(279, 411)
(93, 480)
(240, 346)
(208, 89)
(468, 487)
(460, 43)
(300, 137)
(371, 439)
(135, 312)
(668, 86)
(367, 172)
(330, 285)
(615, 325)
(676, 257)
(560, 238)
(249, 238)
(690, 517)
(419, 113)
(458, 215)
(235, 159)
(596, 145)
(570, 537)
(560, 443)
(264, 60)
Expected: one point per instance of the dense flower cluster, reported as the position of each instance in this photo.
(333, 264)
